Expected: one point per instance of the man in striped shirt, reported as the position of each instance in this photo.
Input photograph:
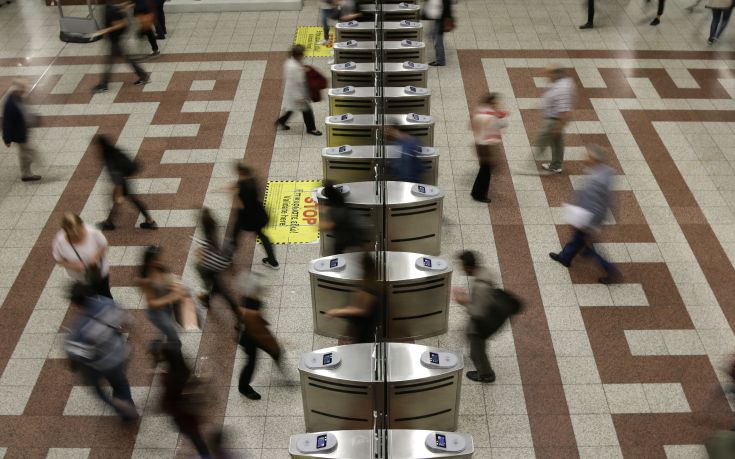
(558, 101)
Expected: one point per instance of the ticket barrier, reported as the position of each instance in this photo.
(349, 129)
(339, 385)
(400, 444)
(357, 164)
(393, 51)
(417, 286)
(360, 74)
(392, 31)
(361, 100)
(413, 215)
(395, 11)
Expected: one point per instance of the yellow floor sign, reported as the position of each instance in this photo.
(309, 37)
(293, 212)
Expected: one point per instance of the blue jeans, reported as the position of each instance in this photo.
(161, 318)
(324, 15)
(579, 243)
(437, 34)
(118, 381)
(720, 18)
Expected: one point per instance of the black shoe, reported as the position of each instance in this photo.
(160, 37)
(149, 225)
(106, 225)
(611, 278)
(155, 53)
(488, 378)
(315, 132)
(587, 26)
(30, 178)
(270, 264)
(436, 64)
(655, 22)
(145, 80)
(99, 88)
(283, 127)
(250, 393)
(556, 257)
(485, 200)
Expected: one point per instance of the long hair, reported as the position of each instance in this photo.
(209, 227)
(150, 254)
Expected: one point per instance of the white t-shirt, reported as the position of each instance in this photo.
(88, 248)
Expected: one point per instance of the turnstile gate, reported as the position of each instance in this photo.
(417, 300)
(338, 385)
(361, 101)
(348, 129)
(394, 74)
(393, 51)
(365, 31)
(395, 12)
(357, 164)
(401, 444)
(413, 215)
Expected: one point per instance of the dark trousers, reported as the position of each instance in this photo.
(133, 200)
(308, 119)
(720, 18)
(660, 9)
(481, 187)
(478, 355)
(160, 18)
(578, 244)
(214, 286)
(118, 381)
(251, 348)
(590, 11)
(240, 226)
(117, 51)
(151, 36)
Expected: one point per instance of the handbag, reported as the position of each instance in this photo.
(256, 329)
(315, 81)
(92, 273)
(448, 24)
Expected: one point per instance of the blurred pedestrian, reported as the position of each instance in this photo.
(694, 5)
(721, 12)
(592, 204)
(362, 312)
(160, 19)
(145, 13)
(161, 291)
(211, 261)
(295, 92)
(409, 166)
(590, 16)
(82, 250)
(120, 167)
(326, 10)
(251, 216)
(17, 121)
(440, 14)
(115, 25)
(344, 227)
(254, 334)
(488, 119)
(558, 102)
(97, 348)
(659, 12)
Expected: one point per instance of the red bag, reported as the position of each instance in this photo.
(316, 82)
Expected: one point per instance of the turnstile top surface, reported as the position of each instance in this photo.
(364, 67)
(404, 363)
(389, 7)
(406, 443)
(401, 266)
(371, 45)
(387, 25)
(351, 444)
(369, 120)
(388, 91)
(397, 194)
(368, 151)
(356, 363)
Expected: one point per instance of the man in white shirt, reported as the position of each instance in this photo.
(558, 101)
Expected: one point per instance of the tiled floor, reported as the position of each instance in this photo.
(629, 370)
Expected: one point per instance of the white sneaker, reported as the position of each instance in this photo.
(547, 166)
(323, 42)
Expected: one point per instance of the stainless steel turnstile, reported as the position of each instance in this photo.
(417, 296)
(394, 51)
(413, 215)
(394, 74)
(357, 164)
(396, 100)
(360, 130)
(401, 444)
(365, 31)
(338, 385)
(396, 12)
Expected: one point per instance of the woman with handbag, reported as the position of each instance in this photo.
(295, 92)
(721, 11)
(161, 291)
(81, 249)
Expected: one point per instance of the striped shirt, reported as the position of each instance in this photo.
(559, 97)
(212, 259)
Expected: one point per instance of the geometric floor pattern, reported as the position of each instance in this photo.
(628, 370)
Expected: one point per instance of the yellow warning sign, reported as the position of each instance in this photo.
(309, 37)
(293, 212)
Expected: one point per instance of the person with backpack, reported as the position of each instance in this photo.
(489, 308)
(211, 261)
(97, 349)
(120, 168)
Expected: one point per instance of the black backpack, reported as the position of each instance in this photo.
(500, 307)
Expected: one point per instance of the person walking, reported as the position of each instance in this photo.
(211, 261)
(296, 92)
(161, 291)
(120, 167)
(659, 12)
(251, 216)
(590, 16)
(486, 122)
(721, 12)
(409, 166)
(82, 250)
(326, 10)
(160, 19)
(343, 226)
(144, 12)
(440, 14)
(592, 204)
(477, 304)
(17, 121)
(97, 349)
(558, 101)
(115, 25)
